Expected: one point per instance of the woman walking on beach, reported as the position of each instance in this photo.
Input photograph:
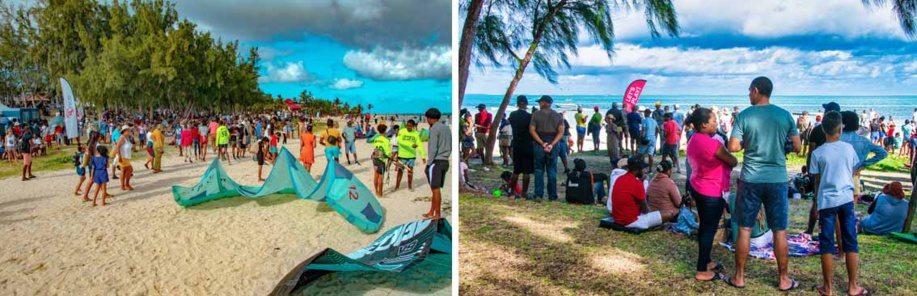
(123, 150)
(91, 146)
(100, 177)
(307, 148)
(711, 164)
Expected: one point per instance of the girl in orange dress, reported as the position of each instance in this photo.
(307, 148)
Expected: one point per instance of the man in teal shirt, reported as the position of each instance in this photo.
(763, 131)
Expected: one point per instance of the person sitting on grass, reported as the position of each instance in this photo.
(663, 194)
(629, 198)
(687, 221)
(507, 186)
(833, 164)
(887, 212)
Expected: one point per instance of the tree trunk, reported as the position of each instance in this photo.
(466, 44)
(910, 211)
(539, 31)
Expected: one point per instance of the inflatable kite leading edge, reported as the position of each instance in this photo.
(338, 187)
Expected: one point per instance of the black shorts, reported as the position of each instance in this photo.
(670, 150)
(523, 162)
(436, 173)
(260, 158)
(379, 166)
(634, 135)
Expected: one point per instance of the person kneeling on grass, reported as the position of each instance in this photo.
(382, 151)
(629, 198)
(833, 164)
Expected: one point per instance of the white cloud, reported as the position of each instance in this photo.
(289, 72)
(434, 62)
(344, 83)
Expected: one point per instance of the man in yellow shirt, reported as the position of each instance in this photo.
(382, 151)
(408, 149)
(330, 131)
(158, 148)
(580, 127)
(222, 139)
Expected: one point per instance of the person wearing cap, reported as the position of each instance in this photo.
(580, 127)
(629, 198)
(659, 117)
(122, 151)
(521, 146)
(888, 212)
(762, 130)
(349, 133)
(670, 144)
(482, 123)
(612, 134)
(595, 127)
(547, 129)
(709, 178)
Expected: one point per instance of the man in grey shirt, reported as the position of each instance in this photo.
(439, 150)
(349, 134)
(547, 128)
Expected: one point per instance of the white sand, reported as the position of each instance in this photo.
(143, 243)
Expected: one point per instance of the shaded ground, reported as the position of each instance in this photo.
(527, 248)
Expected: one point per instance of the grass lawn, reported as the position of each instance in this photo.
(553, 248)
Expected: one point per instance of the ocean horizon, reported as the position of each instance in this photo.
(899, 107)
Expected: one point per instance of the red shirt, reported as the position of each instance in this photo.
(627, 192)
(671, 132)
(274, 140)
(485, 119)
(195, 133)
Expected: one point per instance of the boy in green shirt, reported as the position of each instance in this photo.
(408, 149)
(382, 150)
(222, 139)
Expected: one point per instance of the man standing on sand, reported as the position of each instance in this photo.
(547, 128)
(523, 155)
(762, 131)
(349, 134)
(440, 151)
(482, 121)
(158, 148)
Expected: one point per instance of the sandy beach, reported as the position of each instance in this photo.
(143, 243)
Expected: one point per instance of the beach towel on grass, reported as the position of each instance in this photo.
(396, 250)
(800, 245)
(338, 187)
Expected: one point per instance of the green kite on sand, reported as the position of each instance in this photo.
(395, 251)
(338, 187)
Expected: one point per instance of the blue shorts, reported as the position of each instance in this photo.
(773, 196)
(914, 142)
(562, 144)
(874, 136)
(827, 221)
(273, 150)
(81, 172)
(350, 147)
(407, 162)
(648, 148)
(580, 131)
(882, 135)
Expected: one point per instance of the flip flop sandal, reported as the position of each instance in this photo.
(821, 291)
(728, 281)
(863, 292)
(718, 267)
(793, 286)
(716, 276)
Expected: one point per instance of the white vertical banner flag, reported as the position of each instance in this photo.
(69, 110)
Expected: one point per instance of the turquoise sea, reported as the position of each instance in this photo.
(899, 107)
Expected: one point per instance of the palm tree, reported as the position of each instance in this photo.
(906, 11)
(473, 13)
(549, 30)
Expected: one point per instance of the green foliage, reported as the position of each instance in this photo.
(129, 55)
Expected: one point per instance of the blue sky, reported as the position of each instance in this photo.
(393, 54)
(836, 47)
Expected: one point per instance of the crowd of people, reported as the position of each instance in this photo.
(111, 139)
(837, 146)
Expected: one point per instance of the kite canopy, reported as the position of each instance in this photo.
(338, 187)
(395, 251)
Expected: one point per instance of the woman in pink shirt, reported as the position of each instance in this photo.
(709, 159)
